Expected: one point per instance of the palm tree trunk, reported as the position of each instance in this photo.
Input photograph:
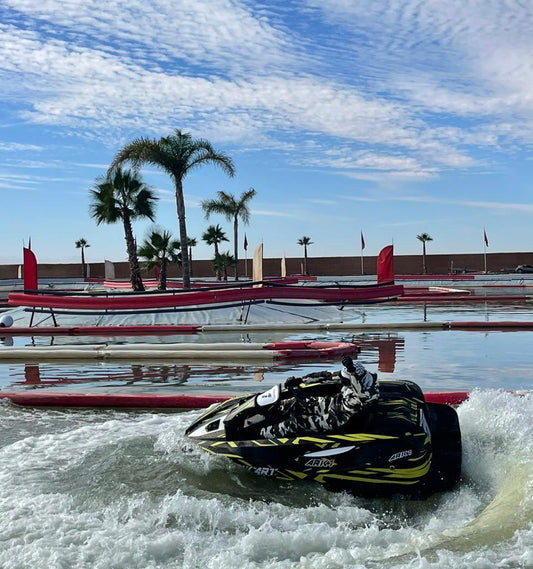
(162, 285)
(180, 208)
(424, 268)
(305, 260)
(135, 271)
(83, 269)
(236, 246)
(218, 272)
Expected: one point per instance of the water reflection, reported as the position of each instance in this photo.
(436, 359)
(44, 374)
(385, 345)
(381, 349)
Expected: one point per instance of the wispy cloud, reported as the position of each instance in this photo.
(86, 68)
(493, 205)
(18, 147)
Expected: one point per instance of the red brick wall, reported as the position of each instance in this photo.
(321, 266)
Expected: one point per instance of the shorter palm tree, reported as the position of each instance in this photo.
(231, 208)
(191, 242)
(123, 196)
(424, 237)
(82, 244)
(305, 241)
(214, 235)
(158, 250)
(222, 262)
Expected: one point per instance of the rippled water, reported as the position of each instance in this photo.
(110, 489)
(436, 359)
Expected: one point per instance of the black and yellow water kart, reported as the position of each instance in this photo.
(402, 445)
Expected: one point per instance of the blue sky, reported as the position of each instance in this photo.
(391, 118)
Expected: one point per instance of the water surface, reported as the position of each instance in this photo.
(125, 490)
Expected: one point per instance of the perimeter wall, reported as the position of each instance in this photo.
(319, 266)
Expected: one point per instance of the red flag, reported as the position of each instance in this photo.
(385, 265)
(30, 270)
(485, 239)
(245, 243)
(362, 241)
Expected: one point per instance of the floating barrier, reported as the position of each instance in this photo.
(108, 400)
(143, 401)
(178, 329)
(221, 351)
(498, 325)
(218, 296)
(137, 330)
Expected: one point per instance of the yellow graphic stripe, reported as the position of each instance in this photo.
(405, 472)
(294, 474)
(322, 479)
(363, 437)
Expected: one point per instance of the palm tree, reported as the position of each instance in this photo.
(232, 209)
(82, 244)
(122, 195)
(222, 261)
(177, 154)
(158, 249)
(213, 236)
(424, 237)
(191, 242)
(305, 241)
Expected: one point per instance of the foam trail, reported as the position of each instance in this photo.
(498, 461)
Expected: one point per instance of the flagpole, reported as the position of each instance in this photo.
(485, 250)
(245, 256)
(362, 249)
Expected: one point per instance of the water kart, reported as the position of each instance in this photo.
(402, 445)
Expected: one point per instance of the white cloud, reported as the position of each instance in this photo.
(478, 51)
(223, 33)
(17, 147)
(492, 205)
(98, 91)
(245, 75)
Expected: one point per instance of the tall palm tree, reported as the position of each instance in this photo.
(82, 244)
(177, 154)
(214, 235)
(305, 241)
(424, 237)
(122, 195)
(158, 250)
(232, 209)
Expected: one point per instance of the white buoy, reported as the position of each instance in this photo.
(6, 321)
